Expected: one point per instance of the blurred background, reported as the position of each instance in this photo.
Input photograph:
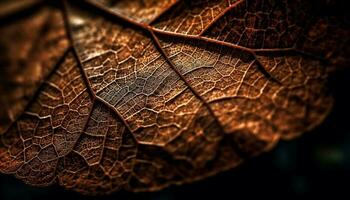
(317, 163)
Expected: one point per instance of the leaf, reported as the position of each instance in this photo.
(29, 49)
(104, 95)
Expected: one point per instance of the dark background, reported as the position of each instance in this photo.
(316, 164)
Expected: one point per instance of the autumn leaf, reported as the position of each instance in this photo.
(102, 95)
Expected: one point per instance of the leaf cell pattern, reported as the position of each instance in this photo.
(139, 95)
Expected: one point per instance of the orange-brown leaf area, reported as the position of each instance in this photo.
(103, 95)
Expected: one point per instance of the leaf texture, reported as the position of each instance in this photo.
(102, 95)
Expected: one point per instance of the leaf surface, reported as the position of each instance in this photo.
(139, 95)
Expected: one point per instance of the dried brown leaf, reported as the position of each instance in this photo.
(152, 93)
